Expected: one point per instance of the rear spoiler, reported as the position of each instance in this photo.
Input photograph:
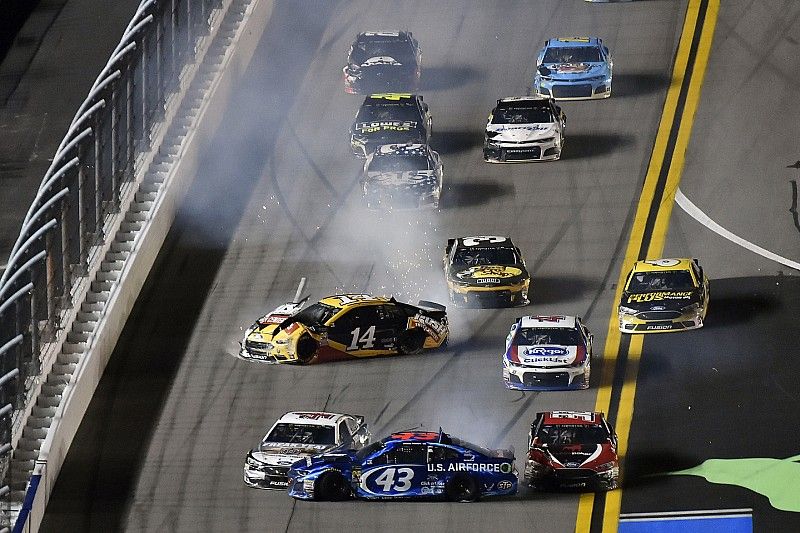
(430, 306)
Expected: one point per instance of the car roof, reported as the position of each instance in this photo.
(571, 418)
(402, 149)
(572, 42)
(313, 418)
(418, 436)
(379, 99)
(382, 36)
(514, 101)
(505, 243)
(552, 321)
(347, 301)
(661, 265)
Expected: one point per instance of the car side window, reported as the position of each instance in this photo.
(352, 425)
(442, 453)
(698, 274)
(360, 316)
(344, 433)
(390, 314)
(408, 454)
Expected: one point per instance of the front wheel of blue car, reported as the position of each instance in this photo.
(331, 487)
(462, 489)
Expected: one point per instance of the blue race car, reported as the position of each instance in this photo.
(573, 68)
(409, 464)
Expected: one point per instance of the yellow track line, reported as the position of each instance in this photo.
(603, 402)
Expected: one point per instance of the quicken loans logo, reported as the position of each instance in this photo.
(776, 479)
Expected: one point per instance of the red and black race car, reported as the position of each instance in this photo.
(571, 449)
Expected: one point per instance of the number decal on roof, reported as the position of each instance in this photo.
(392, 96)
(482, 239)
(662, 262)
(579, 415)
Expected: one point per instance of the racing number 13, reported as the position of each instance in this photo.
(359, 341)
(403, 482)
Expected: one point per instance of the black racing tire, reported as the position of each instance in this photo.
(462, 488)
(307, 348)
(411, 342)
(331, 487)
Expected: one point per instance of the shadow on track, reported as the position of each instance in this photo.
(446, 77)
(626, 85)
(549, 290)
(475, 193)
(455, 141)
(586, 145)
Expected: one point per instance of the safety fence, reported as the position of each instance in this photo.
(69, 220)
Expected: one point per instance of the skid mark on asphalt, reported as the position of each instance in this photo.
(793, 209)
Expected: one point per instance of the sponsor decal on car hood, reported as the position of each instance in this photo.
(408, 177)
(487, 275)
(660, 301)
(387, 125)
(380, 60)
(581, 455)
(574, 70)
(285, 454)
(520, 133)
(549, 355)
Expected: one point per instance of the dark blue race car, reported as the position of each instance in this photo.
(409, 464)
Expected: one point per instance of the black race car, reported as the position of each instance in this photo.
(398, 176)
(390, 118)
(485, 271)
(381, 61)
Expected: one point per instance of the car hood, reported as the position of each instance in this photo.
(521, 132)
(408, 177)
(386, 129)
(286, 454)
(571, 71)
(550, 355)
(660, 301)
(489, 275)
(580, 455)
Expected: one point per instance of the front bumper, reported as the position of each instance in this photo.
(264, 352)
(538, 378)
(521, 153)
(301, 488)
(570, 478)
(578, 90)
(636, 324)
(506, 296)
(266, 477)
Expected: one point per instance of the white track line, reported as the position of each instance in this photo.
(694, 212)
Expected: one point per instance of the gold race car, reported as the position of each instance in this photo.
(485, 271)
(344, 326)
(664, 295)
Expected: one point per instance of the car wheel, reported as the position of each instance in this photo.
(462, 489)
(307, 348)
(331, 487)
(411, 342)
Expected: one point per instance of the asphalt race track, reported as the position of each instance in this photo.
(163, 444)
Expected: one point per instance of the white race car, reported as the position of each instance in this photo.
(298, 435)
(547, 353)
(524, 129)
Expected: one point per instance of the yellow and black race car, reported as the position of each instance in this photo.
(664, 295)
(345, 326)
(485, 271)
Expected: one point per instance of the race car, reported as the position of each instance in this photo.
(390, 118)
(524, 129)
(572, 450)
(485, 271)
(407, 464)
(664, 295)
(573, 68)
(548, 353)
(383, 61)
(398, 176)
(298, 435)
(345, 326)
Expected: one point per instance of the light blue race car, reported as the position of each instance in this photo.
(573, 68)
(406, 465)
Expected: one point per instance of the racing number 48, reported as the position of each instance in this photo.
(388, 482)
(362, 342)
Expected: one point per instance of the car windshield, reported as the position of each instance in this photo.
(315, 314)
(387, 112)
(673, 280)
(560, 336)
(473, 256)
(474, 447)
(365, 452)
(577, 54)
(301, 434)
(562, 434)
(398, 163)
(399, 50)
(523, 115)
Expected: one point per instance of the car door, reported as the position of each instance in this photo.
(392, 322)
(443, 461)
(398, 472)
(355, 331)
